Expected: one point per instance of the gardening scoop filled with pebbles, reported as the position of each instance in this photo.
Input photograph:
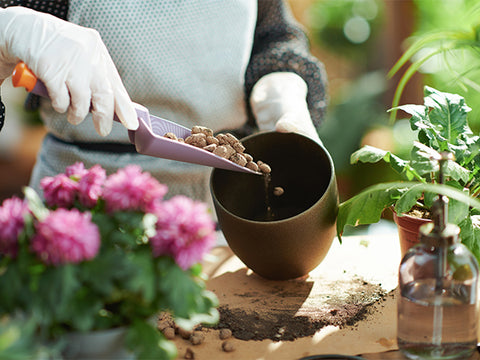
(165, 139)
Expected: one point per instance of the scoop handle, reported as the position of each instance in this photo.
(22, 76)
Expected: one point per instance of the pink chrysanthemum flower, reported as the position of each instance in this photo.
(76, 171)
(130, 189)
(66, 236)
(90, 186)
(59, 190)
(185, 231)
(12, 213)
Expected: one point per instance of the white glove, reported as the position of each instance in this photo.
(73, 63)
(278, 101)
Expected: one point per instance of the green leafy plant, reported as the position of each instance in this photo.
(441, 126)
(101, 253)
(446, 48)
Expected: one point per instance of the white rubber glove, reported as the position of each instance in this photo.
(73, 63)
(278, 101)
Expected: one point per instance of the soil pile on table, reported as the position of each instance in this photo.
(260, 309)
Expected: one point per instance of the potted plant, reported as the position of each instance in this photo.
(103, 255)
(441, 126)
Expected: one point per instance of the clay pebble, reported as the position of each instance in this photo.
(228, 346)
(225, 145)
(225, 334)
(169, 333)
(185, 334)
(189, 354)
(197, 338)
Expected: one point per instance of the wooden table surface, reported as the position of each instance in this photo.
(374, 259)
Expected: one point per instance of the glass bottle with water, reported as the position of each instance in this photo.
(438, 293)
(438, 316)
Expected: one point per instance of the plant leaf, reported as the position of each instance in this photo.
(470, 232)
(148, 342)
(457, 211)
(440, 42)
(425, 160)
(143, 279)
(56, 288)
(84, 307)
(417, 112)
(97, 274)
(35, 203)
(187, 296)
(370, 154)
(367, 206)
(409, 198)
(456, 172)
(426, 41)
(448, 116)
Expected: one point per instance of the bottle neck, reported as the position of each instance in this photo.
(445, 238)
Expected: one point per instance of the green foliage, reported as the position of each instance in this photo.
(142, 335)
(183, 296)
(441, 126)
(17, 341)
(445, 49)
(123, 286)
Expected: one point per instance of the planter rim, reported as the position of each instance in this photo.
(409, 218)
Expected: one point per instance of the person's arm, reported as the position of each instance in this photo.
(283, 77)
(73, 63)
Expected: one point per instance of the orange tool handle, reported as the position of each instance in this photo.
(23, 76)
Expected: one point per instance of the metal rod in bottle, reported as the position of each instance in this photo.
(440, 218)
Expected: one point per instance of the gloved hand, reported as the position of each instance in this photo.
(278, 101)
(73, 63)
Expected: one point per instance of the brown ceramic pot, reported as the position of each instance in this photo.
(408, 230)
(303, 227)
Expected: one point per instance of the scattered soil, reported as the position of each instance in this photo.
(246, 326)
(256, 317)
(273, 319)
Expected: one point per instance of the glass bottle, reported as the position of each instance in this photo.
(438, 293)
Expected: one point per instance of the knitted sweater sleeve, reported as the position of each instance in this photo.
(280, 44)
(58, 8)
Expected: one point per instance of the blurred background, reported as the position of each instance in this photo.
(359, 41)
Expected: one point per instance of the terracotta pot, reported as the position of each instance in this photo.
(298, 239)
(408, 229)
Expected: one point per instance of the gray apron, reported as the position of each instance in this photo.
(184, 60)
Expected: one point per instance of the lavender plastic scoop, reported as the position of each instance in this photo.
(149, 140)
